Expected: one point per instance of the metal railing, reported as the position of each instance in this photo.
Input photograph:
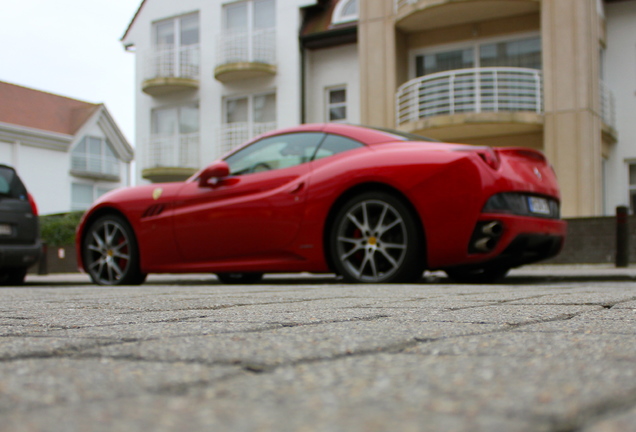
(493, 89)
(608, 106)
(169, 61)
(401, 3)
(233, 135)
(173, 151)
(95, 164)
(256, 46)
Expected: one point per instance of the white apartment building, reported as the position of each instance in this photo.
(67, 152)
(557, 75)
(619, 72)
(212, 74)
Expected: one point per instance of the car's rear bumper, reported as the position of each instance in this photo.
(521, 240)
(13, 256)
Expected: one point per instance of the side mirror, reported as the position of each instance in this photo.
(217, 170)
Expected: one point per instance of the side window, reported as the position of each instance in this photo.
(282, 151)
(335, 144)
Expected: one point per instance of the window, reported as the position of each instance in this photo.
(276, 152)
(177, 47)
(249, 16)
(632, 186)
(175, 137)
(522, 52)
(245, 117)
(334, 144)
(345, 11)
(83, 195)
(337, 104)
(94, 155)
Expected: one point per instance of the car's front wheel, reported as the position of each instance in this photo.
(110, 252)
(375, 239)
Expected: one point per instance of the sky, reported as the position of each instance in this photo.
(72, 48)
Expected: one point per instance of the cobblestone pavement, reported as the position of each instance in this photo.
(551, 349)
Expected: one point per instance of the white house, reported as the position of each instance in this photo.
(67, 152)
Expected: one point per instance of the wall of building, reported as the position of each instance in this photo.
(44, 172)
(329, 68)
(620, 76)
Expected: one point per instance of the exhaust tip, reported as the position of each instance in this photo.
(485, 244)
(494, 228)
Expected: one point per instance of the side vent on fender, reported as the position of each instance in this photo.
(153, 210)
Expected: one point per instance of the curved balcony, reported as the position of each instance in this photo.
(246, 55)
(468, 103)
(171, 157)
(418, 15)
(170, 69)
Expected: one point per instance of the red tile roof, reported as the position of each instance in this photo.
(35, 109)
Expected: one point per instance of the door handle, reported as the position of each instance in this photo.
(297, 188)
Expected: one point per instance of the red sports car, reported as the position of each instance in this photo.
(370, 205)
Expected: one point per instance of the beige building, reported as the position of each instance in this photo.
(495, 72)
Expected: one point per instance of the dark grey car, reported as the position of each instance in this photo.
(20, 245)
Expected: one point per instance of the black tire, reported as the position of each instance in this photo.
(110, 252)
(376, 239)
(13, 276)
(240, 278)
(484, 275)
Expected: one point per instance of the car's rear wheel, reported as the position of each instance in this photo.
(110, 252)
(477, 275)
(13, 276)
(239, 278)
(375, 239)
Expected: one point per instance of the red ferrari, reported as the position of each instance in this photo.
(370, 205)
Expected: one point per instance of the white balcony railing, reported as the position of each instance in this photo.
(169, 61)
(469, 91)
(94, 164)
(608, 109)
(256, 46)
(180, 151)
(233, 135)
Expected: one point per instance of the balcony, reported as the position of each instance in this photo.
(246, 55)
(470, 103)
(233, 135)
(419, 15)
(171, 69)
(171, 157)
(95, 167)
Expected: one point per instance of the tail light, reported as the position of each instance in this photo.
(34, 207)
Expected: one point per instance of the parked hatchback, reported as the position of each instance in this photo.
(20, 245)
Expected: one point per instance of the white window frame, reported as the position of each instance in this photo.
(474, 44)
(338, 18)
(105, 160)
(170, 56)
(97, 191)
(329, 105)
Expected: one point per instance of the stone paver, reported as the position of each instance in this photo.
(546, 351)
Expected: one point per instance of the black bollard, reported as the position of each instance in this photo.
(622, 237)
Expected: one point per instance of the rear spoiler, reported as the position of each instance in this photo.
(524, 152)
